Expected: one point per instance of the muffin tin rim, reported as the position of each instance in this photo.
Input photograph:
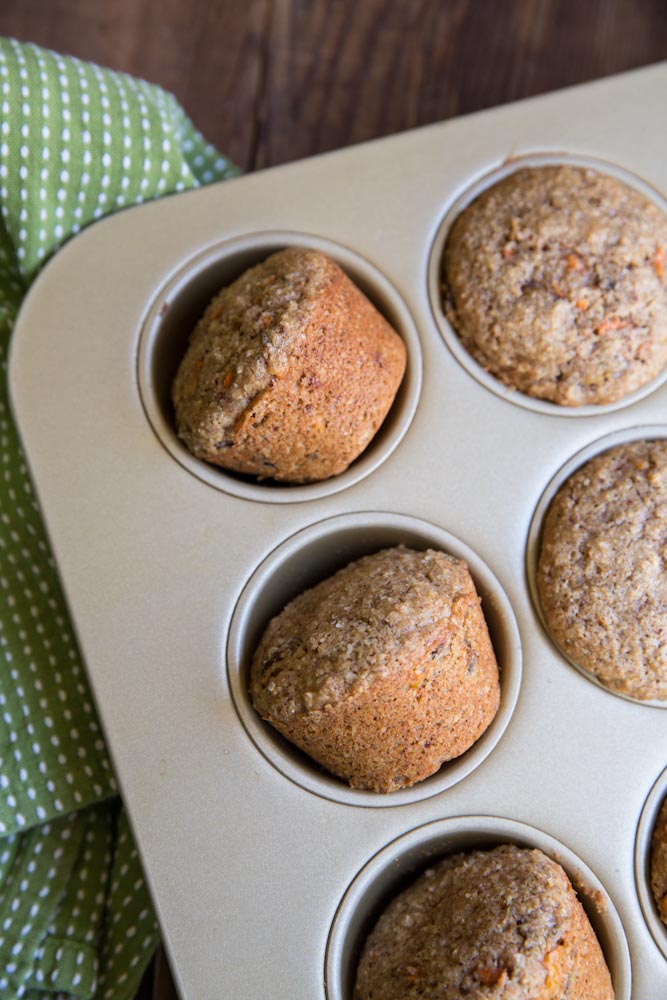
(642, 861)
(476, 185)
(625, 435)
(486, 830)
(263, 243)
(268, 743)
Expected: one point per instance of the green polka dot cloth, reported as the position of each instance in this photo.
(76, 143)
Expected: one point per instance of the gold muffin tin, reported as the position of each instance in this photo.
(265, 872)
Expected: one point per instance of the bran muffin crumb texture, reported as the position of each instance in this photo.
(383, 671)
(658, 862)
(601, 569)
(554, 280)
(290, 372)
(499, 924)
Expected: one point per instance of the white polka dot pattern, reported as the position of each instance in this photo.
(76, 143)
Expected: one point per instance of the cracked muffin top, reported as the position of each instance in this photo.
(383, 671)
(289, 373)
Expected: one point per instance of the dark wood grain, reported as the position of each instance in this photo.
(209, 53)
(343, 72)
(162, 985)
(268, 81)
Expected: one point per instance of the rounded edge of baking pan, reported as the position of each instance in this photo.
(178, 304)
(447, 331)
(396, 864)
(313, 554)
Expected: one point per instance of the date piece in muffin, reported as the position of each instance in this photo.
(383, 671)
(601, 569)
(554, 279)
(289, 373)
(500, 924)
(659, 862)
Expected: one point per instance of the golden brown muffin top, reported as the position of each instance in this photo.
(370, 618)
(554, 279)
(501, 924)
(250, 330)
(601, 576)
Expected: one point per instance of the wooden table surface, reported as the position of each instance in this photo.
(268, 81)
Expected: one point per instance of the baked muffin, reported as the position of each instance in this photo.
(554, 279)
(600, 573)
(502, 924)
(383, 671)
(659, 862)
(289, 373)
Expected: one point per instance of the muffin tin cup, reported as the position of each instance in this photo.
(265, 871)
(647, 821)
(316, 553)
(447, 331)
(180, 303)
(623, 436)
(401, 861)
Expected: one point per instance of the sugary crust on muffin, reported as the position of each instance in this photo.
(500, 924)
(659, 862)
(554, 279)
(289, 373)
(383, 671)
(601, 570)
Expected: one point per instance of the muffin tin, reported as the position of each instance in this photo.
(266, 872)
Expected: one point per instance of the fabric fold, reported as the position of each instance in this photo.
(77, 142)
